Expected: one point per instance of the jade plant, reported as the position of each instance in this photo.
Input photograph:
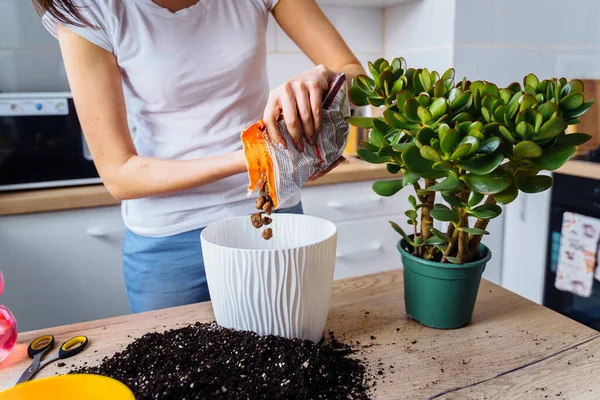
(465, 147)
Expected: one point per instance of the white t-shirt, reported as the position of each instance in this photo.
(192, 81)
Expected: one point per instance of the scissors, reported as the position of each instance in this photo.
(43, 344)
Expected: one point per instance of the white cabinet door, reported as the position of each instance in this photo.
(525, 245)
(63, 267)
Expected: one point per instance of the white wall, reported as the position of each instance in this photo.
(30, 59)
(504, 40)
(422, 32)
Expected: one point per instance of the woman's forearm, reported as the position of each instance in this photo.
(146, 176)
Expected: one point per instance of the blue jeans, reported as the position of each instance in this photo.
(167, 271)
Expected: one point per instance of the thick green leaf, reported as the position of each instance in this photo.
(376, 101)
(424, 100)
(439, 90)
(434, 241)
(461, 151)
(554, 158)
(527, 149)
(473, 231)
(473, 141)
(474, 199)
(402, 97)
(361, 122)
(453, 260)
(410, 109)
(483, 164)
(438, 108)
(411, 214)
(525, 130)
(425, 78)
(579, 111)
(450, 183)
(547, 110)
(416, 163)
(388, 187)
(443, 165)
(358, 96)
(506, 133)
(508, 195)
(435, 143)
(452, 200)
(371, 157)
(397, 228)
(449, 141)
(449, 74)
(575, 86)
(369, 146)
(409, 178)
(486, 211)
(385, 151)
(424, 114)
(495, 182)
(552, 128)
(489, 145)
(393, 168)
(535, 184)
(382, 126)
(572, 101)
(445, 215)
(403, 146)
(412, 200)
(430, 154)
(573, 139)
(437, 233)
(531, 80)
(425, 135)
(377, 138)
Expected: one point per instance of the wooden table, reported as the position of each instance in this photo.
(514, 348)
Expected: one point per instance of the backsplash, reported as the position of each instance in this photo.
(497, 40)
(30, 59)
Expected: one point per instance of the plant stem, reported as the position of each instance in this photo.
(474, 240)
(426, 220)
(463, 243)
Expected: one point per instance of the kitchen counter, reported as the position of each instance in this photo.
(25, 202)
(352, 170)
(513, 348)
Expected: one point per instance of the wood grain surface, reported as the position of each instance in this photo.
(514, 348)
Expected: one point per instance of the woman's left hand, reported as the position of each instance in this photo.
(299, 101)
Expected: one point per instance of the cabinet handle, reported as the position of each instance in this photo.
(98, 231)
(339, 204)
(376, 247)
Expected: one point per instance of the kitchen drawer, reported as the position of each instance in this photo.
(348, 201)
(367, 246)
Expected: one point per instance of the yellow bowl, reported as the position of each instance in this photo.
(69, 387)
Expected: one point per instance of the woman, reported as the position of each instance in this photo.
(191, 75)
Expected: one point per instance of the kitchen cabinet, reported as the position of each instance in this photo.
(366, 242)
(525, 245)
(63, 267)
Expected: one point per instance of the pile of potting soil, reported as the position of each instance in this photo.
(207, 361)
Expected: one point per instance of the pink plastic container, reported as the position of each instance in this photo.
(8, 327)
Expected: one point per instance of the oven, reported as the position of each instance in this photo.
(41, 143)
(582, 196)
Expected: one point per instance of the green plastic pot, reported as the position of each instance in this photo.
(440, 295)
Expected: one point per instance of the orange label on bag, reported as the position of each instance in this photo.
(279, 173)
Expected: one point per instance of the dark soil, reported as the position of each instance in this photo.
(204, 361)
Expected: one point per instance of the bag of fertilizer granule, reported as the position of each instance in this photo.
(279, 173)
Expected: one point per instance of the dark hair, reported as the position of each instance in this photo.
(63, 11)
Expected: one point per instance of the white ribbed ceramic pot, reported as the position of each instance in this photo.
(280, 286)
